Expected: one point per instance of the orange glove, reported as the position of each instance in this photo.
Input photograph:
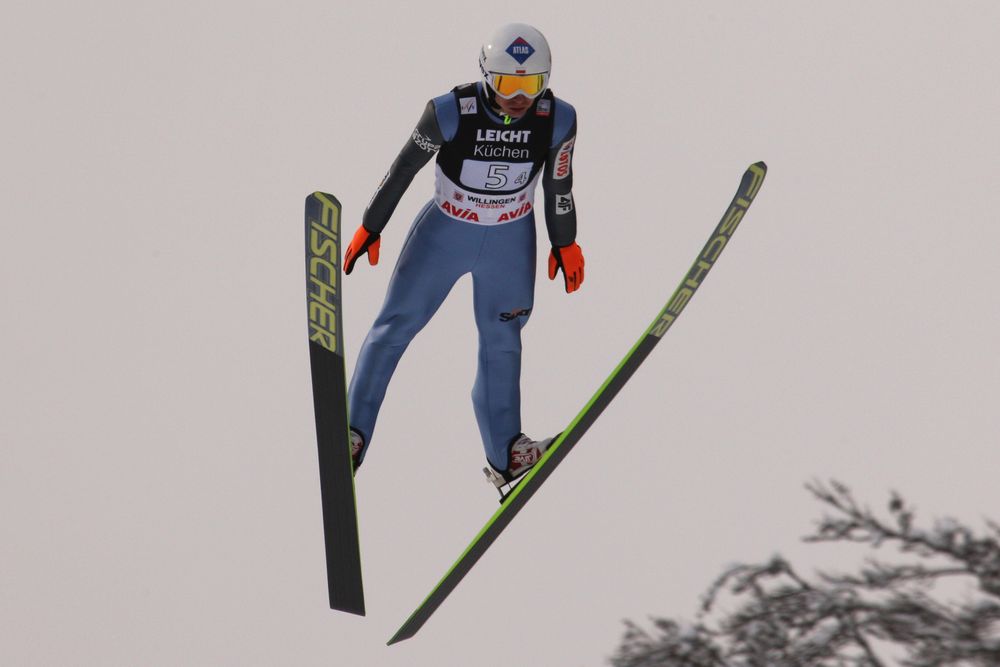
(363, 242)
(570, 260)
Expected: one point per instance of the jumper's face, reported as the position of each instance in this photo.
(516, 106)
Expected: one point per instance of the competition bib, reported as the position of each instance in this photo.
(476, 207)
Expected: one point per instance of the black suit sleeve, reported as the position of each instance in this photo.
(419, 149)
(557, 184)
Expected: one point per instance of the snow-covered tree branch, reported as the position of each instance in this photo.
(907, 614)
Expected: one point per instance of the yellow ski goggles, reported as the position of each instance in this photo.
(510, 85)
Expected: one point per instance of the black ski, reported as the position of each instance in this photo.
(326, 356)
(522, 492)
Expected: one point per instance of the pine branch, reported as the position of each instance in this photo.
(782, 619)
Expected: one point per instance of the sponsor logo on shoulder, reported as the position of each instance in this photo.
(467, 105)
(544, 108)
(424, 143)
(561, 168)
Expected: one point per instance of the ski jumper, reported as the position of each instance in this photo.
(480, 221)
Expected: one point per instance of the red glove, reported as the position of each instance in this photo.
(570, 260)
(363, 242)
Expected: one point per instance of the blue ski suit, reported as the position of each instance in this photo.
(481, 221)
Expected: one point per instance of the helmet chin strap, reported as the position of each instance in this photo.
(491, 97)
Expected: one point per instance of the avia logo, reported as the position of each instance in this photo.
(514, 314)
(520, 50)
(460, 213)
(523, 209)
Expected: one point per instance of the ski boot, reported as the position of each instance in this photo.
(522, 455)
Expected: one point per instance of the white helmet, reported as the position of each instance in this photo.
(516, 61)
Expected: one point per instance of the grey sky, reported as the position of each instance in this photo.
(158, 471)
